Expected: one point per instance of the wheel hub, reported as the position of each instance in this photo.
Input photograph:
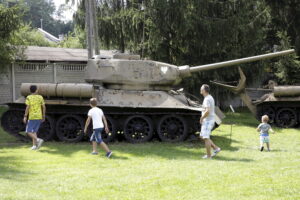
(172, 128)
(138, 127)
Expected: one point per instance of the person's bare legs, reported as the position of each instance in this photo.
(33, 136)
(215, 147)
(94, 146)
(104, 147)
(268, 146)
(208, 147)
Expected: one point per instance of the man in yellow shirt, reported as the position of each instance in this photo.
(35, 107)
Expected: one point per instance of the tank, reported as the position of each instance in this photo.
(137, 96)
(280, 103)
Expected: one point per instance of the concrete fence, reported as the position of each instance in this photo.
(15, 74)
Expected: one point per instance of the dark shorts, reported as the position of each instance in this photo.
(33, 126)
(96, 136)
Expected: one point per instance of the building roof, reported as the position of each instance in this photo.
(48, 36)
(34, 53)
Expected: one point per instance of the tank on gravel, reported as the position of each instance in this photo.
(136, 95)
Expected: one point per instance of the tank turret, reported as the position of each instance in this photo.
(130, 73)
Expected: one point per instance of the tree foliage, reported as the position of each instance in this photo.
(185, 32)
(35, 10)
(285, 18)
(75, 39)
(284, 32)
(27, 36)
(287, 69)
(10, 21)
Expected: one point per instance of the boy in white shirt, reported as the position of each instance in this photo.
(97, 116)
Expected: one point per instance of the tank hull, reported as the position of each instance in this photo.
(283, 112)
(136, 116)
(118, 115)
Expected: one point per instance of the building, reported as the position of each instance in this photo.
(44, 65)
(49, 37)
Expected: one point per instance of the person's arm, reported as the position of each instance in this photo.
(258, 128)
(105, 124)
(26, 114)
(44, 112)
(207, 108)
(272, 131)
(87, 123)
(205, 114)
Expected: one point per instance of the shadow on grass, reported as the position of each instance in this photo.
(241, 118)
(10, 168)
(225, 142)
(232, 159)
(184, 150)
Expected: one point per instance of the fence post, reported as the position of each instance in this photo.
(54, 73)
(13, 79)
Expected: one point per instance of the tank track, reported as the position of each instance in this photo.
(135, 125)
(282, 114)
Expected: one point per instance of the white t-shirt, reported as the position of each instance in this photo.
(209, 103)
(96, 114)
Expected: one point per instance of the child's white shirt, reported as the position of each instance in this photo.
(96, 114)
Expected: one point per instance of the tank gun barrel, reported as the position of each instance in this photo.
(236, 61)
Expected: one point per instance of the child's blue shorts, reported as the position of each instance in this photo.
(33, 126)
(96, 136)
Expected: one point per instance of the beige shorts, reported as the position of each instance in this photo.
(206, 129)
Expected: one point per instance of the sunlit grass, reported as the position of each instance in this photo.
(156, 170)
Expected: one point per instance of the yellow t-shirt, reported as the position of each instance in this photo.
(35, 102)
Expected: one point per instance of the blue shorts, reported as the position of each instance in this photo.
(33, 126)
(96, 136)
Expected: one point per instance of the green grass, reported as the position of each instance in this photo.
(156, 170)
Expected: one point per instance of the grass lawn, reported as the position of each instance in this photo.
(156, 170)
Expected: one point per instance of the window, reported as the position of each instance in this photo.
(73, 67)
(31, 67)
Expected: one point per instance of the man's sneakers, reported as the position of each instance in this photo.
(34, 148)
(94, 153)
(206, 157)
(216, 152)
(39, 143)
(108, 154)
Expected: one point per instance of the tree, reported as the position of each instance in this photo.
(284, 32)
(285, 17)
(10, 21)
(183, 32)
(287, 69)
(26, 36)
(76, 39)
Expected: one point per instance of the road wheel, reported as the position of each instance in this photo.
(172, 128)
(138, 128)
(110, 137)
(47, 129)
(12, 122)
(69, 128)
(286, 117)
(270, 111)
